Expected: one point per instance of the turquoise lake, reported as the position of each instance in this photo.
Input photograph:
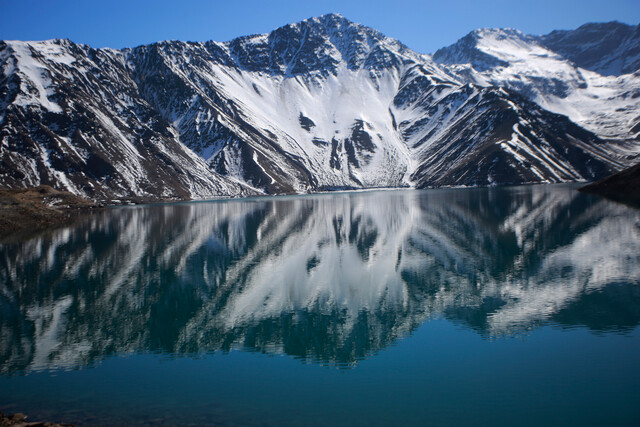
(488, 306)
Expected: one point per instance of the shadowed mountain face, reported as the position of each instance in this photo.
(609, 48)
(324, 103)
(622, 186)
(327, 279)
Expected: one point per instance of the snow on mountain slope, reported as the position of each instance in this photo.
(321, 104)
(545, 72)
(483, 136)
(277, 132)
(323, 109)
(72, 118)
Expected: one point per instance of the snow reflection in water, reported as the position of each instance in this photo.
(328, 279)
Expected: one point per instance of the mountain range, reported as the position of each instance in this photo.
(318, 105)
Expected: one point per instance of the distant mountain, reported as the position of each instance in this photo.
(321, 104)
(610, 48)
(589, 74)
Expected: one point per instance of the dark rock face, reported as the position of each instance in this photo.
(324, 103)
(610, 48)
(497, 142)
(623, 186)
(305, 122)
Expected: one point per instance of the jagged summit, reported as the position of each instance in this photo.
(330, 17)
(317, 44)
(336, 25)
(328, 21)
(496, 33)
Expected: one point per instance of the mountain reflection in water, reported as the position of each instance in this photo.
(329, 279)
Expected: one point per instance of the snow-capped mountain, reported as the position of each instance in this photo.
(72, 117)
(321, 104)
(589, 74)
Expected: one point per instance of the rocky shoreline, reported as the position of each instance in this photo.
(623, 187)
(20, 420)
(34, 209)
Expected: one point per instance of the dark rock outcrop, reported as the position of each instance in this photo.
(623, 186)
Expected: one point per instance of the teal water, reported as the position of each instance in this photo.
(495, 306)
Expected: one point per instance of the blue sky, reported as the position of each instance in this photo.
(424, 25)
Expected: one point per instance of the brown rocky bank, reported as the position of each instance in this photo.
(20, 420)
(32, 209)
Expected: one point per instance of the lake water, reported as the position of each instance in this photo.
(500, 306)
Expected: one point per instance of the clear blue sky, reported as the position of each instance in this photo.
(423, 25)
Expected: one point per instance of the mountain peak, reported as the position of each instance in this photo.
(469, 49)
(333, 24)
(497, 32)
(330, 18)
(317, 44)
